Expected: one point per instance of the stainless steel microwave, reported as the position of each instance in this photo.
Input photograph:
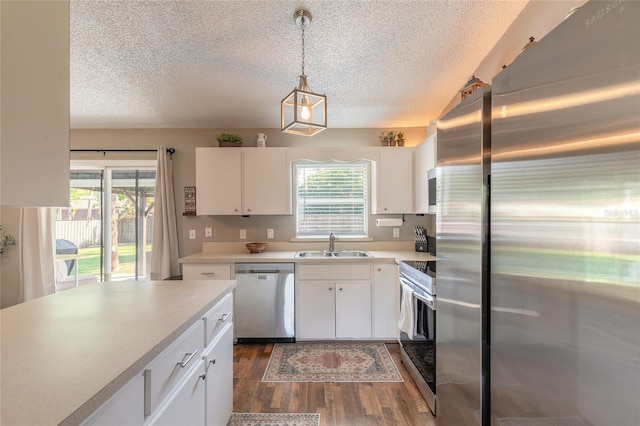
(431, 178)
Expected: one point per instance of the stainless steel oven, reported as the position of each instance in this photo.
(417, 325)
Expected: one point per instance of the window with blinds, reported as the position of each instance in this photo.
(331, 197)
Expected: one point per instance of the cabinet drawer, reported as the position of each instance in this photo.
(186, 406)
(215, 320)
(171, 366)
(331, 271)
(206, 272)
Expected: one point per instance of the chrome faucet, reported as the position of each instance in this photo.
(332, 239)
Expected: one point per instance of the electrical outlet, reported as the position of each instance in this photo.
(243, 234)
(208, 232)
(396, 232)
(192, 234)
(270, 233)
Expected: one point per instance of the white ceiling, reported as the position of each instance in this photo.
(228, 64)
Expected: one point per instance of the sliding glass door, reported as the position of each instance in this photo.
(109, 223)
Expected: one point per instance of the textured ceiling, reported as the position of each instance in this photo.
(228, 64)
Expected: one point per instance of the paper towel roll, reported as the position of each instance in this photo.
(389, 222)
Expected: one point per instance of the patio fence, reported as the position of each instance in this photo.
(86, 233)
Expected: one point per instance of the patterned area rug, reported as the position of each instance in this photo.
(331, 362)
(273, 419)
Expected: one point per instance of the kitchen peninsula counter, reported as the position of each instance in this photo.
(65, 354)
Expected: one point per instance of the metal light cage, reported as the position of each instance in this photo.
(290, 112)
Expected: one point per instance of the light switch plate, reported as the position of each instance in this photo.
(270, 233)
(192, 234)
(243, 234)
(208, 232)
(396, 232)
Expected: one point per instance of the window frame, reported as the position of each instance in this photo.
(366, 196)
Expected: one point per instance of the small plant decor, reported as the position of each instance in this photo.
(387, 138)
(229, 139)
(6, 241)
(392, 138)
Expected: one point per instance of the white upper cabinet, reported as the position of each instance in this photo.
(425, 160)
(267, 181)
(218, 181)
(392, 182)
(239, 181)
(34, 152)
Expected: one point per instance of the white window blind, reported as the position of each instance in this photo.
(331, 197)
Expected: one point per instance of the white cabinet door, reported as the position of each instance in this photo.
(34, 154)
(315, 310)
(219, 379)
(425, 160)
(353, 309)
(394, 181)
(385, 300)
(186, 406)
(267, 182)
(218, 181)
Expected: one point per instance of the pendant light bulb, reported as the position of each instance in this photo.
(305, 111)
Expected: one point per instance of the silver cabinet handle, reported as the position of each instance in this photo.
(340, 289)
(330, 288)
(211, 362)
(207, 273)
(184, 363)
(224, 317)
(203, 376)
(147, 392)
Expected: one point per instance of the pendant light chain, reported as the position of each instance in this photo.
(303, 45)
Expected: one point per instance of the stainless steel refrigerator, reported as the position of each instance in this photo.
(556, 312)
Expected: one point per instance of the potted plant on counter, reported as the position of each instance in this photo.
(229, 140)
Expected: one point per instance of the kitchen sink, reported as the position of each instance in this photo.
(330, 254)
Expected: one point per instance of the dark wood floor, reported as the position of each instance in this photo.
(339, 404)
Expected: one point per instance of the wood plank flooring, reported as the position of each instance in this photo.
(339, 404)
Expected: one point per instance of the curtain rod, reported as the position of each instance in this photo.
(169, 150)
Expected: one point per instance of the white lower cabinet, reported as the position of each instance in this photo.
(189, 383)
(125, 408)
(218, 367)
(330, 306)
(385, 300)
(353, 310)
(315, 310)
(186, 406)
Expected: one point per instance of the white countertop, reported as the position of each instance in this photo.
(65, 354)
(289, 256)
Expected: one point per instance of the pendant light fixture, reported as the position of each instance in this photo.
(303, 112)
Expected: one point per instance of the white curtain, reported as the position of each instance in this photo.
(164, 251)
(37, 253)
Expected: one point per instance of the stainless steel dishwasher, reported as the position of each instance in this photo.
(264, 302)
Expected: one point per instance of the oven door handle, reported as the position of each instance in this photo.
(427, 300)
